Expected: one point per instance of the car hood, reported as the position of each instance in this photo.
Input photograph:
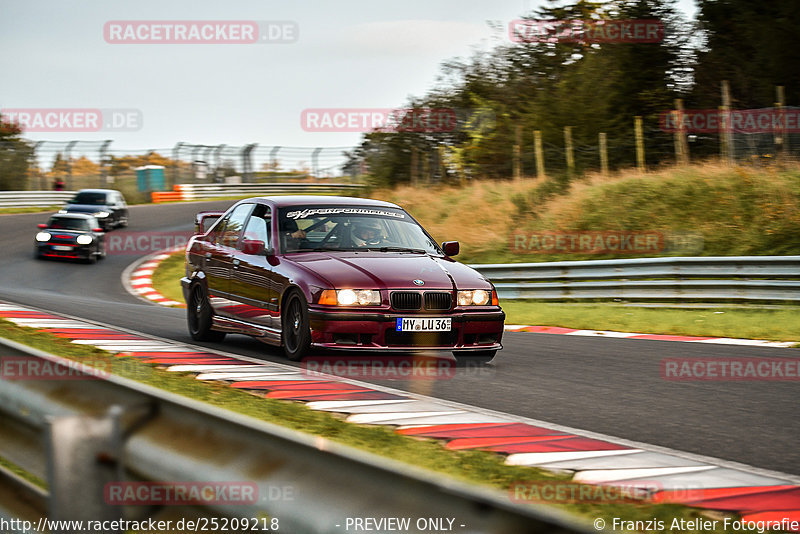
(389, 270)
(85, 208)
(71, 233)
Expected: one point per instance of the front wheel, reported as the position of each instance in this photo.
(480, 357)
(198, 315)
(296, 332)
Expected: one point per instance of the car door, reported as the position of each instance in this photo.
(219, 259)
(252, 286)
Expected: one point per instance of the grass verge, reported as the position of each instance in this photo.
(167, 276)
(9, 211)
(477, 467)
(727, 211)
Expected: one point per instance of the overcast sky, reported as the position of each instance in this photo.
(348, 54)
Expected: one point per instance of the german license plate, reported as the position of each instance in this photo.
(423, 324)
(61, 248)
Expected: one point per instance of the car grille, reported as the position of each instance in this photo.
(412, 300)
(406, 300)
(420, 339)
(438, 300)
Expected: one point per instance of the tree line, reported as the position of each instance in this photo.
(546, 84)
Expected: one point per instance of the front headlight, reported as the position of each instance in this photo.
(478, 297)
(63, 211)
(42, 237)
(84, 239)
(350, 297)
(101, 214)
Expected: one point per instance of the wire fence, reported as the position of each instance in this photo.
(85, 164)
(81, 164)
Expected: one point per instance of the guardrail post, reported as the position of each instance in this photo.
(273, 158)
(176, 154)
(68, 161)
(218, 162)
(247, 162)
(103, 167)
(83, 455)
(315, 162)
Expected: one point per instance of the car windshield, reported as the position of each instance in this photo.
(93, 199)
(313, 228)
(68, 223)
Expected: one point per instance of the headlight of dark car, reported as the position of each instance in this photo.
(350, 297)
(476, 297)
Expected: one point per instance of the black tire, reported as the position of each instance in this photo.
(123, 222)
(295, 331)
(92, 257)
(198, 317)
(37, 255)
(480, 357)
(102, 253)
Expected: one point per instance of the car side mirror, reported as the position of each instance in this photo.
(450, 248)
(252, 246)
(203, 225)
(41, 226)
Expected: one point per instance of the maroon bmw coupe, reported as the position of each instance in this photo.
(324, 272)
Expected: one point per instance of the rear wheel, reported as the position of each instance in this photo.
(296, 332)
(479, 357)
(198, 316)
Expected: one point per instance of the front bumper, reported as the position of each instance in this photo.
(370, 330)
(78, 252)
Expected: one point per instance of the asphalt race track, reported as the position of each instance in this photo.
(610, 386)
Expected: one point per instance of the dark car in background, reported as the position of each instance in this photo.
(323, 272)
(106, 205)
(72, 236)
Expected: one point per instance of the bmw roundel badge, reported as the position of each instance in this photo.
(419, 282)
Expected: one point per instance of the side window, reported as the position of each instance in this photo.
(228, 234)
(258, 226)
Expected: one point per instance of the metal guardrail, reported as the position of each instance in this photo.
(33, 199)
(64, 432)
(746, 278)
(200, 191)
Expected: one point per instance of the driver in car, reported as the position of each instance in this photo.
(365, 234)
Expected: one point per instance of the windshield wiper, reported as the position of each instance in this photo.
(326, 249)
(397, 249)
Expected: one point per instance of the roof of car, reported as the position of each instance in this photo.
(98, 191)
(323, 200)
(72, 215)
